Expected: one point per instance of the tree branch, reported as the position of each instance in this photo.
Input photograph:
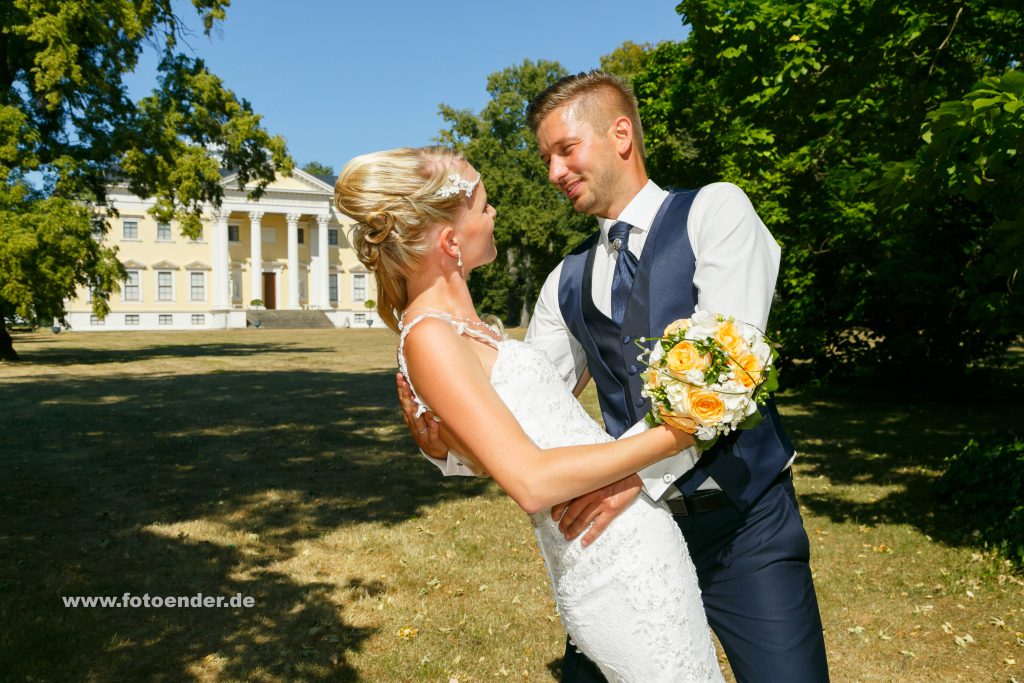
(945, 42)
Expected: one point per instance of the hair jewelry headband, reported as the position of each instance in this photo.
(456, 184)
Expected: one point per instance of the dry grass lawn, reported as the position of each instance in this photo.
(273, 464)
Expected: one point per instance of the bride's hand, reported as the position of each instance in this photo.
(596, 509)
(425, 429)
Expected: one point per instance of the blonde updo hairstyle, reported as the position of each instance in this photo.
(392, 196)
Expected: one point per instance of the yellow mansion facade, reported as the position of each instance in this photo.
(289, 250)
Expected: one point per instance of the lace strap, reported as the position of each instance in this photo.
(421, 406)
(461, 327)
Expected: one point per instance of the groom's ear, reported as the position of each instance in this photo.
(622, 135)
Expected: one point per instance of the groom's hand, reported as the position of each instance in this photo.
(600, 507)
(425, 428)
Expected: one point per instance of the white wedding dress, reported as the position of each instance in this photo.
(630, 600)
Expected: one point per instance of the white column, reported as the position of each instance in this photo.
(323, 266)
(221, 273)
(293, 260)
(313, 268)
(256, 255)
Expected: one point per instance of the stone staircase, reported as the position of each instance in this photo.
(293, 320)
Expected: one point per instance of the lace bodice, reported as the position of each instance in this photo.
(630, 600)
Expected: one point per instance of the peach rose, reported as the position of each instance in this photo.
(676, 326)
(652, 377)
(684, 356)
(706, 406)
(748, 370)
(683, 423)
(728, 335)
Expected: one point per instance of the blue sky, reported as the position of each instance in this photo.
(340, 78)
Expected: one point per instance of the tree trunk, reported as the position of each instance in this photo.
(7, 351)
(527, 309)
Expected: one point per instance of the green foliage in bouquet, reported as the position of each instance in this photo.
(984, 484)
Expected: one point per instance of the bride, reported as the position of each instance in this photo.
(630, 600)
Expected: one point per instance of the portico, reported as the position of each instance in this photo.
(286, 250)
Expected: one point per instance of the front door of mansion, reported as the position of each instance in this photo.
(269, 292)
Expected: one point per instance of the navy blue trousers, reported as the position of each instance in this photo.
(756, 585)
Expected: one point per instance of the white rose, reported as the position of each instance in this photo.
(706, 433)
(762, 351)
(678, 396)
(735, 402)
(695, 377)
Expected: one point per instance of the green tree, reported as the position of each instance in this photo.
(803, 105)
(971, 149)
(535, 224)
(316, 168)
(627, 60)
(69, 129)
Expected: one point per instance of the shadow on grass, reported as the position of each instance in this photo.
(63, 354)
(863, 442)
(93, 467)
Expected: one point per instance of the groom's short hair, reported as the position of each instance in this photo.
(599, 97)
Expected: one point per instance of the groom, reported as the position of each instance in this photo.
(657, 256)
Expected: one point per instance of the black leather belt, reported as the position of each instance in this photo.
(702, 501)
(711, 499)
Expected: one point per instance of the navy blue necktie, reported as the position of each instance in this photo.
(625, 269)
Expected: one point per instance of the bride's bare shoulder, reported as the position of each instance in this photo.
(431, 339)
(429, 330)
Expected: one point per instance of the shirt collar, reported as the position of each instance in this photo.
(640, 211)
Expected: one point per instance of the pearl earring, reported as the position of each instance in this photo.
(459, 252)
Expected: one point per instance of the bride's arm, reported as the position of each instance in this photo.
(449, 377)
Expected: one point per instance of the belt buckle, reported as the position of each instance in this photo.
(677, 506)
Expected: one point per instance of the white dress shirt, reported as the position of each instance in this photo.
(737, 264)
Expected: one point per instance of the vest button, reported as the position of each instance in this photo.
(639, 402)
(626, 340)
(632, 369)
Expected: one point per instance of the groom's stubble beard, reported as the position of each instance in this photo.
(603, 176)
(602, 187)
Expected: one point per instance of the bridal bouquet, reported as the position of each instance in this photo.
(706, 375)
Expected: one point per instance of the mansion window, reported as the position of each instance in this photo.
(332, 237)
(164, 286)
(302, 236)
(96, 320)
(165, 319)
(198, 319)
(332, 286)
(131, 230)
(359, 287)
(197, 286)
(163, 232)
(132, 291)
(131, 319)
(98, 228)
(236, 285)
(233, 233)
(360, 318)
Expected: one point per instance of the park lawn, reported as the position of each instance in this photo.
(274, 464)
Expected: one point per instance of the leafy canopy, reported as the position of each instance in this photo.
(808, 107)
(68, 129)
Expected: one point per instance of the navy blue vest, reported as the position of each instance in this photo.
(742, 463)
